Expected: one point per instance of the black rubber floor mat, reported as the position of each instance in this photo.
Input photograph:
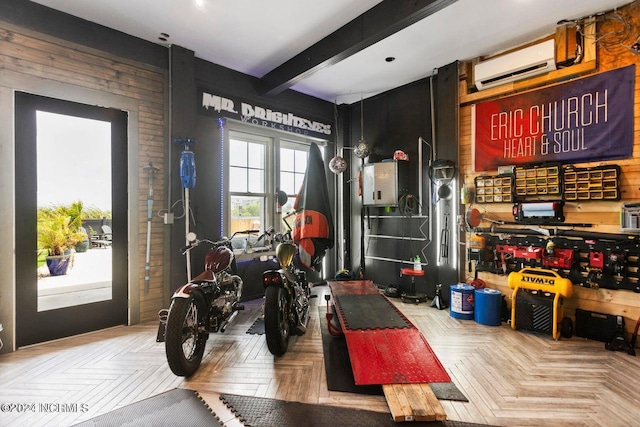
(261, 412)
(447, 391)
(177, 407)
(372, 311)
(337, 364)
(340, 374)
(257, 328)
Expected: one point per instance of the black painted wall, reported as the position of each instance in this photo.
(205, 197)
(395, 120)
(447, 146)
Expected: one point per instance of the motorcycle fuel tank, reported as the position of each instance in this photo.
(285, 253)
(217, 259)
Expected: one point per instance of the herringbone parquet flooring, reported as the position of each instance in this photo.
(511, 378)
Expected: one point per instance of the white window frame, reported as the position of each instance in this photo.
(276, 139)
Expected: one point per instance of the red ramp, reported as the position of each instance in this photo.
(384, 346)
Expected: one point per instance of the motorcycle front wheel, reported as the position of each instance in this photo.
(276, 320)
(184, 344)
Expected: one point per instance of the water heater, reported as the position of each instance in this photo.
(384, 183)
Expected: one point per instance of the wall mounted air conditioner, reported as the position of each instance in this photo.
(517, 65)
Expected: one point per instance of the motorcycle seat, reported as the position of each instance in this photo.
(206, 275)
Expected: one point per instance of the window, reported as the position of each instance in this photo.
(261, 162)
(293, 165)
(247, 172)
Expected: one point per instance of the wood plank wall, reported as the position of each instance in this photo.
(55, 61)
(604, 215)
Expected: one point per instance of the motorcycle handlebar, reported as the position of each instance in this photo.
(187, 248)
(197, 242)
(268, 232)
(245, 232)
(289, 215)
(225, 240)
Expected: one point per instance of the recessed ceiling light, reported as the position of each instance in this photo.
(199, 4)
(390, 58)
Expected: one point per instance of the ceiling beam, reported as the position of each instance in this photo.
(381, 21)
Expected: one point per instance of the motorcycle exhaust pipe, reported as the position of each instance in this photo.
(239, 285)
(302, 324)
(226, 323)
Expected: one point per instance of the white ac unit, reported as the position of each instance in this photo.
(517, 65)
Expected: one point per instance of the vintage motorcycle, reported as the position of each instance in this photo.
(208, 303)
(287, 294)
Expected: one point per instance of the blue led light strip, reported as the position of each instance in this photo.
(221, 123)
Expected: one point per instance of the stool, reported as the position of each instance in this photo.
(413, 296)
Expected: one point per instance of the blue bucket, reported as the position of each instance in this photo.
(488, 308)
(462, 301)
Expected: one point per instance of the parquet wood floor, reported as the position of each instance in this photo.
(511, 378)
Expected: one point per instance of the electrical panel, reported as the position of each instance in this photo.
(384, 183)
(630, 218)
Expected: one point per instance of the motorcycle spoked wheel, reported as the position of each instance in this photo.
(184, 346)
(276, 320)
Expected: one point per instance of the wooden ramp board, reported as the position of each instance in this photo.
(413, 402)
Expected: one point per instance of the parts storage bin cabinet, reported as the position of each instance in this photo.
(597, 183)
(538, 181)
(494, 189)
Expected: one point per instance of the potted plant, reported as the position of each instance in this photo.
(75, 212)
(83, 245)
(58, 239)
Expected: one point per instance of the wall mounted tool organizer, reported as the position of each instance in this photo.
(539, 193)
(591, 263)
(549, 182)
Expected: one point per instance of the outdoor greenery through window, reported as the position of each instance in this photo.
(247, 182)
(73, 251)
(261, 163)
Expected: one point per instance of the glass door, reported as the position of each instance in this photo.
(71, 233)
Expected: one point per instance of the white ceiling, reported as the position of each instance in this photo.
(256, 36)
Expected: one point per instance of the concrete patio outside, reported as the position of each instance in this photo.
(87, 280)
